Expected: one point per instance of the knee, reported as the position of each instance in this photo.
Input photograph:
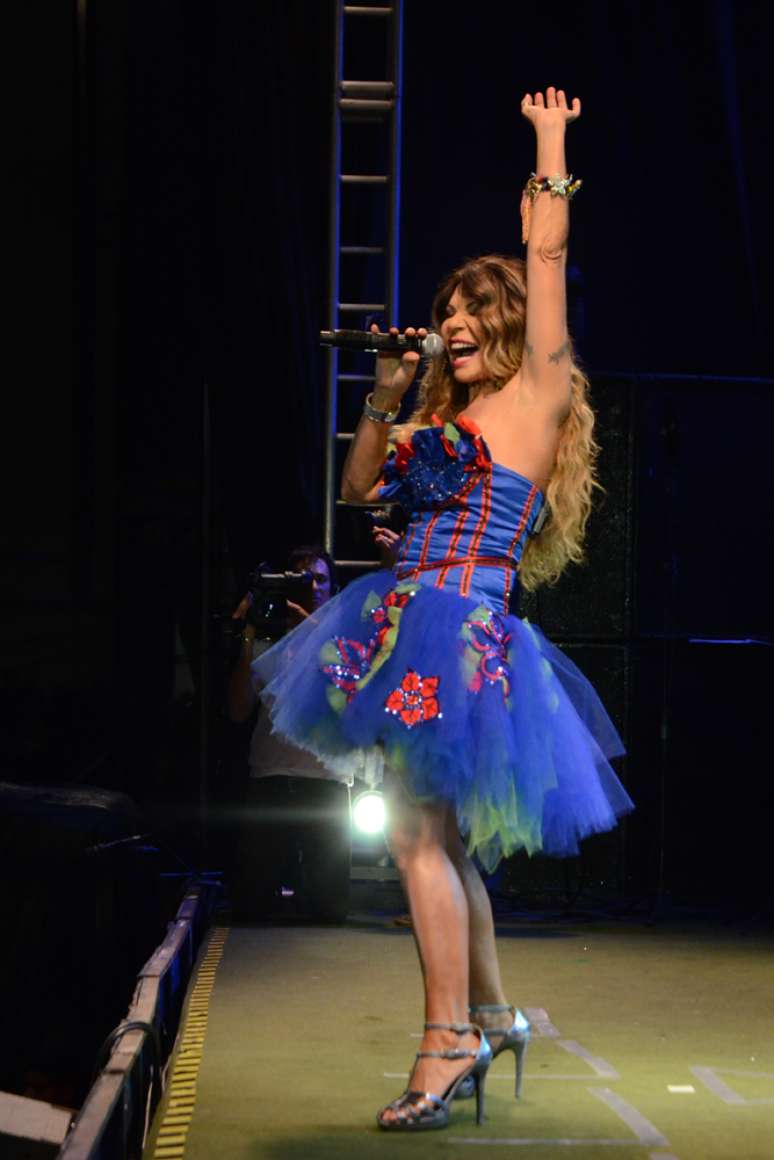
(405, 847)
(410, 846)
(415, 832)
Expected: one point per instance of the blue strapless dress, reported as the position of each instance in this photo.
(424, 668)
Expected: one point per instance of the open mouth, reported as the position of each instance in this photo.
(460, 352)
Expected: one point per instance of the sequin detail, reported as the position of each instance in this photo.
(485, 657)
(351, 664)
(345, 663)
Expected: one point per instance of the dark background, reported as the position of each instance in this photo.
(196, 152)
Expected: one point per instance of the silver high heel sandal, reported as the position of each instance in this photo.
(514, 1039)
(418, 1111)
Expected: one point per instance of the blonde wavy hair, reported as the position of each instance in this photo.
(496, 288)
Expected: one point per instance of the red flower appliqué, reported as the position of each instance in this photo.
(472, 451)
(354, 661)
(404, 452)
(415, 700)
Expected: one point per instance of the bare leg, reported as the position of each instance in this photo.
(439, 914)
(485, 983)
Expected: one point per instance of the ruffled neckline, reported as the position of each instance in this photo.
(463, 424)
(441, 460)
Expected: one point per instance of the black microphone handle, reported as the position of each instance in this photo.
(396, 344)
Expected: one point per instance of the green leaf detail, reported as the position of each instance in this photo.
(383, 655)
(337, 699)
(372, 601)
(329, 654)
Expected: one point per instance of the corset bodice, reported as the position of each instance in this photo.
(469, 517)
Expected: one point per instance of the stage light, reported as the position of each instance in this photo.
(368, 813)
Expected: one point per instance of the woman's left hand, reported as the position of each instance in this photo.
(551, 111)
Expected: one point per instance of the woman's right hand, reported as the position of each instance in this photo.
(395, 375)
(244, 606)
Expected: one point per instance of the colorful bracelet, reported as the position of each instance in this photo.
(377, 416)
(557, 186)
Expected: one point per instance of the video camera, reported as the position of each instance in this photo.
(270, 592)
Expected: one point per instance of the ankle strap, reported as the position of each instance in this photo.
(492, 1008)
(458, 1028)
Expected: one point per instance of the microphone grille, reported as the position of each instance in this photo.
(433, 346)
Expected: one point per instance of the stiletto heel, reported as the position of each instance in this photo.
(478, 1080)
(519, 1050)
(417, 1111)
(515, 1038)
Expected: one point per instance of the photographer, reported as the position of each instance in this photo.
(240, 695)
(294, 832)
(295, 822)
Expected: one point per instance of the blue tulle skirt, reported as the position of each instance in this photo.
(467, 706)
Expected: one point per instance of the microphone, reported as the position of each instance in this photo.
(395, 344)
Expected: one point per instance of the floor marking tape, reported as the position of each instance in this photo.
(529, 1141)
(681, 1089)
(599, 1066)
(541, 1023)
(712, 1081)
(180, 1095)
(645, 1132)
(749, 1074)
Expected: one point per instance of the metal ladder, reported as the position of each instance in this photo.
(357, 103)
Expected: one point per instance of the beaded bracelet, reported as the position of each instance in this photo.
(377, 416)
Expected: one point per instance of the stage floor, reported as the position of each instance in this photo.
(650, 1042)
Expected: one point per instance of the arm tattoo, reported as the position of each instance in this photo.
(558, 354)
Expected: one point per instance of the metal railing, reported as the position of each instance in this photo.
(114, 1121)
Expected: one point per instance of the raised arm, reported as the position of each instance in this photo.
(368, 449)
(545, 213)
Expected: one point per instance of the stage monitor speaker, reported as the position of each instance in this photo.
(594, 600)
